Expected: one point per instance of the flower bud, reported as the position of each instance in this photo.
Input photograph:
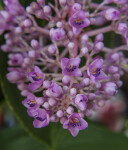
(32, 54)
(115, 57)
(41, 2)
(84, 50)
(35, 44)
(80, 101)
(34, 6)
(85, 82)
(52, 49)
(122, 27)
(63, 3)
(27, 61)
(46, 84)
(76, 7)
(27, 23)
(59, 113)
(111, 14)
(73, 91)
(71, 45)
(99, 37)
(62, 120)
(13, 76)
(84, 38)
(39, 14)
(59, 24)
(24, 93)
(116, 76)
(70, 110)
(47, 10)
(113, 69)
(57, 34)
(46, 105)
(40, 100)
(52, 102)
(110, 88)
(66, 80)
(98, 46)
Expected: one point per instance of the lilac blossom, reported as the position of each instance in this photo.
(30, 101)
(55, 90)
(36, 77)
(41, 117)
(75, 123)
(78, 21)
(95, 70)
(70, 67)
(61, 60)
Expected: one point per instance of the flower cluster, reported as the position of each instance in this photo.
(61, 59)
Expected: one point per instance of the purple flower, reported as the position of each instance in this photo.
(95, 72)
(13, 76)
(75, 123)
(57, 34)
(111, 14)
(80, 100)
(78, 21)
(55, 90)
(110, 88)
(36, 77)
(41, 117)
(13, 7)
(29, 101)
(70, 67)
(17, 59)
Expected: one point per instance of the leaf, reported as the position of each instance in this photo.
(16, 138)
(95, 137)
(13, 98)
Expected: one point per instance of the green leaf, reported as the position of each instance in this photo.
(16, 138)
(14, 99)
(95, 137)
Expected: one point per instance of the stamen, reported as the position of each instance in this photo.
(70, 68)
(36, 77)
(78, 21)
(96, 72)
(31, 103)
(74, 122)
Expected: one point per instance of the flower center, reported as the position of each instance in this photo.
(31, 103)
(70, 68)
(36, 77)
(95, 72)
(74, 122)
(40, 119)
(78, 21)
